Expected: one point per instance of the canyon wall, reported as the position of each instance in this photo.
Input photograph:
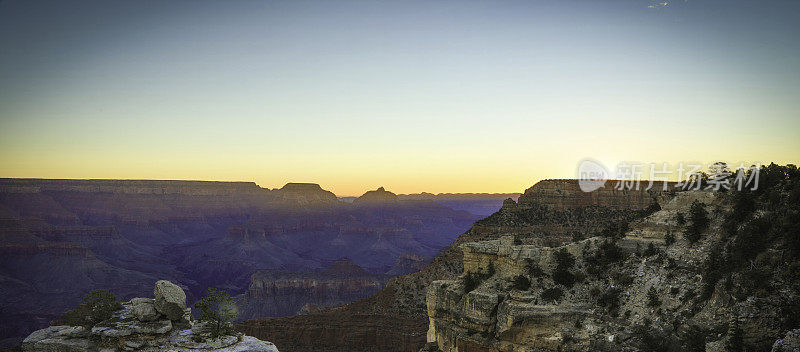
(403, 299)
(275, 293)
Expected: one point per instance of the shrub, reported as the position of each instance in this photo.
(534, 269)
(607, 253)
(652, 208)
(652, 298)
(98, 305)
(521, 283)
(563, 277)
(490, 270)
(564, 262)
(680, 219)
(564, 259)
(615, 229)
(552, 294)
(650, 251)
(698, 217)
(610, 299)
(218, 308)
(471, 281)
(622, 279)
(669, 239)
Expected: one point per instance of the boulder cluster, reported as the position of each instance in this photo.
(163, 323)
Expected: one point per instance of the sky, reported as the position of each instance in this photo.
(435, 96)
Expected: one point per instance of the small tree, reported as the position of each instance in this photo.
(521, 283)
(652, 298)
(699, 222)
(219, 309)
(564, 262)
(98, 305)
(471, 282)
(669, 239)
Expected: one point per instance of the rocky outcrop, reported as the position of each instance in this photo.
(790, 343)
(306, 193)
(139, 327)
(170, 299)
(643, 291)
(144, 309)
(376, 197)
(567, 194)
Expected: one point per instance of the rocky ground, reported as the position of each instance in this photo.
(651, 289)
(163, 323)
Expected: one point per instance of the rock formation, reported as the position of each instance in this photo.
(170, 300)
(376, 197)
(140, 326)
(275, 293)
(403, 298)
(648, 290)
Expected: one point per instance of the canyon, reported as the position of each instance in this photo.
(551, 212)
(62, 238)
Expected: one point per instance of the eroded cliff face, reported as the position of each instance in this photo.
(274, 293)
(403, 298)
(567, 194)
(643, 291)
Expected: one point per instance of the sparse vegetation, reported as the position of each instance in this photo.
(698, 218)
(218, 308)
(564, 262)
(552, 294)
(521, 283)
(669, 239)
(98, 305)
(610, 300)
(650, 251)
(534, 269)
(653, 299)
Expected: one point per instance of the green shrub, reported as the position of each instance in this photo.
(534, 269)
(98, 305)
(564, 262)
(521, 283)
(653, 299)
(563, 277)
(650, 251)
(218, 308)
(471, 282)
(552, 294)
(610, 299)
(669, 239)
(699, 221)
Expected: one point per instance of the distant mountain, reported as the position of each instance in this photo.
(482, 204)
(62, 238)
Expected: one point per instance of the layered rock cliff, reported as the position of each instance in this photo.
(275, 293)
(704, 273)
(403, 298)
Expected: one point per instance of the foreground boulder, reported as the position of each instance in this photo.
(790, 343)
(141, 326)
(170, 300)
